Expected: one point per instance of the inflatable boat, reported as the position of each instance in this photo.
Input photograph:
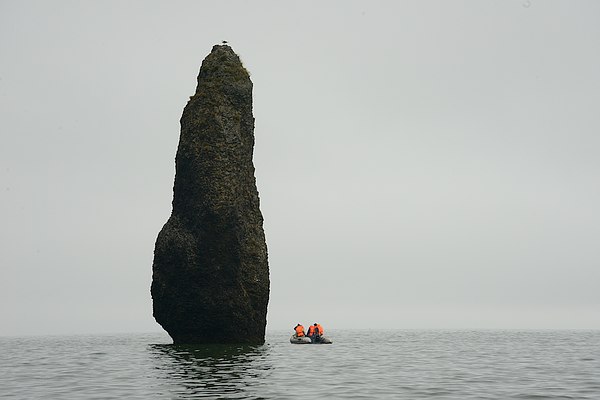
(300, 339)
(306, 340)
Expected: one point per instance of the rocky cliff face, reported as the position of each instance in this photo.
(210, 281)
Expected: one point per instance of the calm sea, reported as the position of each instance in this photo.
(359, 365)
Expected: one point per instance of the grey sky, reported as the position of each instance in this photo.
(421, 164)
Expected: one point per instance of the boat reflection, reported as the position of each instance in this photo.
(210, 371)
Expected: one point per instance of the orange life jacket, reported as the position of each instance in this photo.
(311, 330)
(320, 328)
(300, 330)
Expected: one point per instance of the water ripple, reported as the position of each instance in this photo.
(360, 365)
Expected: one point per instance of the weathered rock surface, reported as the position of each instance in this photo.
(210, 281)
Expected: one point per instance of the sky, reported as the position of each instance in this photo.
(421, 164)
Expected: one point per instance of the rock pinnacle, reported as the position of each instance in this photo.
(210, 281)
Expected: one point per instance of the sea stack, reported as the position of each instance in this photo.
(210, 276)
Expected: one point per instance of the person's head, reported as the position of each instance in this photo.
(315, 324)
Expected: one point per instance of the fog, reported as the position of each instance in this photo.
(420, 164)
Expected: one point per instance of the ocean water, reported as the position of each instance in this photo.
(407, 364)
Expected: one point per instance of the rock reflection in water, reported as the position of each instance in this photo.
(210, 371)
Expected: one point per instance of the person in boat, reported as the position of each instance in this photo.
(299, 329)
(320, 329)
(312, 332)
(315, 332)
